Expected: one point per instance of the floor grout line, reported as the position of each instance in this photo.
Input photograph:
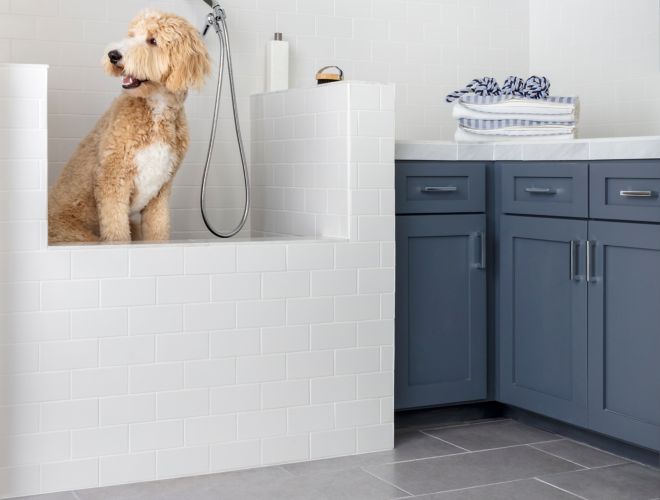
(387, 482)
(477, 486)
(558, 456)
(443, 440)
(561, 489)
(467, 424)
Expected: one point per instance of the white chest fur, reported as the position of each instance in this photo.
(154, 168)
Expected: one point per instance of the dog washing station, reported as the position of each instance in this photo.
(134, 362)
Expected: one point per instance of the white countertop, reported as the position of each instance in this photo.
(608, 148)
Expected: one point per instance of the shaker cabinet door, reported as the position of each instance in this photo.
(624, 332)
(543, 317)
(440, 310)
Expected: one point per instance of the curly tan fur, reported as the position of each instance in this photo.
(117, 184)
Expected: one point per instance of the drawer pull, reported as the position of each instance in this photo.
(439, 189)
(636, 194)
(533, 190)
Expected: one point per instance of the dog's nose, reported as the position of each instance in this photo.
(114, 56)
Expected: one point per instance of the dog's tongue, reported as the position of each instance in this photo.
(128, 80)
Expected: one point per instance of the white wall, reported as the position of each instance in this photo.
(426, 47)
(607, 52)
(129, 363)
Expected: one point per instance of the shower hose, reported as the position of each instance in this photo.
(217, 20)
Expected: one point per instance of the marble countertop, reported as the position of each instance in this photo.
(609, 148)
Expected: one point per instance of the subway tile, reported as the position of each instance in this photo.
(96, 323)
(285, 339)
(183, 289)
(210, 430)
(128, 292)
(183, 462)
(310, 310)
(261, 313)
(67, 415)
(375, 438)
(303, 419)
(35, 326)
(332, 443)
(127, 409)
(99, 442)
(74, 474)
(182, 404)
(357, 413)
(235, 398)
(99, 263)
(69, 295)
(309, 256)
(333, 336)
(234, 343)
(236, 455)
(226, 287)
(309, 364)
(261, 258)
(252, 369)
(285, 284)
(285, 449)
(181, 347)
(120, 351)
(155, 377)
(261, 424)
(214, 259)
(68, 355)
(35, 387)
(374, 333)
(209, 373)
(156, 319)
(285, 394)
(333, 389)
(35, 448)
(335, 282)
(156, 435)
(131, 468)
(213, 316)
(156, 261)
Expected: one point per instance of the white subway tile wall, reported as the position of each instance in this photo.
(133, 363)
(426, 47)
(608, 53)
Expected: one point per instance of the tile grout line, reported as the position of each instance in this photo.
(477, 486)
(557, 456)
(466, 424)
(560, 489)
(386, 482)
(443, 440)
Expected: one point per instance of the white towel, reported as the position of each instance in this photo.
(554, 105)
(460, 111)
(465, 136)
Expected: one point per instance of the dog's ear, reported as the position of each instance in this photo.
(189, 61)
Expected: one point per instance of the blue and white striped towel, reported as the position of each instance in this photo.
(512, 105)
(511, 123)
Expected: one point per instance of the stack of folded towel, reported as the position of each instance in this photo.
(520, 110)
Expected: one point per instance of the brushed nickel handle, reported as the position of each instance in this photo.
(482, 251)
(534, 190)
(588, 267)
(636, 194)
(439, 189)
(571, 272)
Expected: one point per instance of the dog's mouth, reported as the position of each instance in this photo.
(130, 82)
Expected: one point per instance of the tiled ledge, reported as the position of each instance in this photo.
(608, 148)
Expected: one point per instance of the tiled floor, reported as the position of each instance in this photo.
(487, 460)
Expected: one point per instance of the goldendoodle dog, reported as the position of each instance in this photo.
(116, 186)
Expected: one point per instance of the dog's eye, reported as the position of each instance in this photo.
(152, 41)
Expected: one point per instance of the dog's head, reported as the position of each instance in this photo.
(161, 50)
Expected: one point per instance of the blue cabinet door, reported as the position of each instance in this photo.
(440, 310)
(543, 317)
(624, 332)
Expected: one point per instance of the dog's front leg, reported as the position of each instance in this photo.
(112, 191)
(156, 216)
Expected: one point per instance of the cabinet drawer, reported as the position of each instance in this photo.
(545, 188)
(427, 187)
(625, 190)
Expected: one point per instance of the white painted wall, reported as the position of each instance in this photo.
(607, 52)
(124, 363)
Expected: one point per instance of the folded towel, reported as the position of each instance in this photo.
(535, 87)
(516, 127)
(506, 104)
(460, 111)
(465, 136)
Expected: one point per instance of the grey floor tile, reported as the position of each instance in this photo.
(349, 484)
(433, 475)
(580, 453)
(618, 482)
(525, 489)
(48, 496)
(408, 445)
(491, 435)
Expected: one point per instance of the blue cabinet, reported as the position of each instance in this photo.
(543, 317)
(440, 309)
(624, 331)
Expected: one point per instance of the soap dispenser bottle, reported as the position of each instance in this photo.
(277, 64)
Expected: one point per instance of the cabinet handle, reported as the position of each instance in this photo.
(588, 267)
(636, 194)
(439, 189)
(571, 273)
(482, 257)
(534, 190)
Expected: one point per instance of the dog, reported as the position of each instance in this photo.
(117, 184)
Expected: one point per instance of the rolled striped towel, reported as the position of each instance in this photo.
(515, 125)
